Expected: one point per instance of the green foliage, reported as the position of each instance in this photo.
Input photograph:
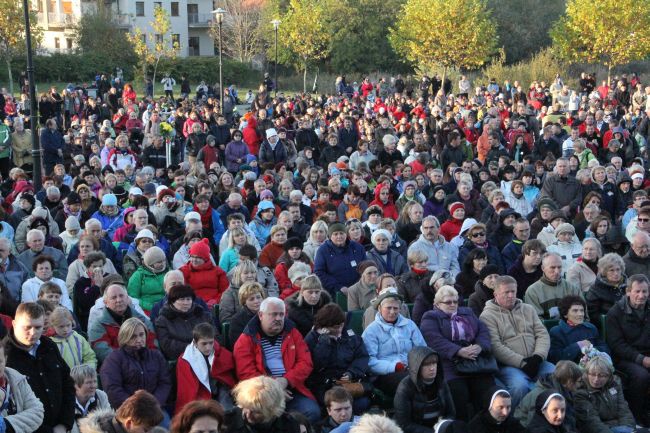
(196, 69)
(542, 66)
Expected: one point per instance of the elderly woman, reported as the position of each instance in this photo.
(388, 340)
(87, 244)
(88, 397)
(600, 403)
(609, 286)
(339, 358)
(566, 246)
(573, 335)
(457, 334)
(134, 366)
(424, 301)
(146, 283)
(251, 295)
(144, 240)
(177, 319)
(384, 282)
(387, 259)
(476, 238)
(42, 268)
(302, 306)
(550, 413)
(317, 237)
(364, 291)
(416, 280)
(583, 271)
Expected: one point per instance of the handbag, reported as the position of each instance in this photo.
(484, 363)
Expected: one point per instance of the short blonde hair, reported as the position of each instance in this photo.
(261, 394)
(249, 289)
(278, 228)
(127, 330)
(375, 423)
(59, 315)
(444, 291)
(242, 267)
(415, 256)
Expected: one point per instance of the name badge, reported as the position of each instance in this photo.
(613, 391)
(353, 263)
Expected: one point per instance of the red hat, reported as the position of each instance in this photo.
(502, 205)
(201, 249)
(165, 192)
(455, 206)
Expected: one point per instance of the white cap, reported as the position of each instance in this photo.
(271, 132)
(144, 233)
(192, 216)
(135, 191)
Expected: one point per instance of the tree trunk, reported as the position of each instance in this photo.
(304, 80)
(153, 82)
(442, 86)
(11, 78)
(609, 74)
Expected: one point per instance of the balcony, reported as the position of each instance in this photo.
(199, 20)
(55, 20)
(123, 21)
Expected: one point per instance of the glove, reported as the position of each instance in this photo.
(531, 365)
(399, 367)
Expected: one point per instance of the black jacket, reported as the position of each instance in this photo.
(235, 423)
(484, 423)
(174, 328)
(237, 324)
(602, 295)
(628, 336)
(302, 314)
(154, 157)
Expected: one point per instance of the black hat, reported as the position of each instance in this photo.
(179, 292)
(293, 243)
(30, 198)
(487, 271)
(73, 198)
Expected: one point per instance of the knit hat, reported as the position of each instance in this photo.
(271, 132)
(109, 200)
(374, 210)
(135, 191)
(149, 189)
(264, 205)
(558, 214)
(192, 216)
(292, 243)
(73, 198)
(380, 232)
(361, 267)
(455, 206)
(487, 271)
(266, 193)
(201, 249)
(165, 192)
(336, 227)
(82, 186)
(179, 292)
(409, 183)
(153, 255)
(385, 294)
(637, 175)
(546, 202)
(72, 223)
(39, 212)
(297, 271)
(144, 233)
(565, 228)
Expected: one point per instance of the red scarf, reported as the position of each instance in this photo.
(206, 217)
(420, 272)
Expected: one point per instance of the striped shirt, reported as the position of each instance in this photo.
(273, 355)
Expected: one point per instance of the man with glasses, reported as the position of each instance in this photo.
(639, 224)
(441, 254)
(637, 260)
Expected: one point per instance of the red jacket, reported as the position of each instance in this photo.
(249, 358)
(389, 208)
(223, 369)
(450, 228)
(270, 254)
(250, 137)
(209, 281)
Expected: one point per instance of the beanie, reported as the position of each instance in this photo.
(292, 243)
(266, 194)
(39, 212)
(201, 249)
(455, 206)
(153, 255)
(336, 227)
(487, 271)
(179, 292)
(380, 232)
(298, 270)
(565, 228)
(361, 267)
(72, 223)
(73, 198)
(109, 200)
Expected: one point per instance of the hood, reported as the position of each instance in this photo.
(128, 211)
(98, 421)
(378, 190)
(416, 357)
(252, 122)
(623, 177)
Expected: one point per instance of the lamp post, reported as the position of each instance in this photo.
(276, 25)
(219, 14)
(33, 115)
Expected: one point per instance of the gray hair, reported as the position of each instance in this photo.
(431, 218)
(272, 301)
(608, 261)
(599, 364)
(53, 190)
(92, 222)
(79, 373)
(596, 242)
(375, 423)
(32, 233)
(173, 273)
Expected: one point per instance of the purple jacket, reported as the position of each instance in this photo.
(127, 370)
(436, 330)
(235, 150)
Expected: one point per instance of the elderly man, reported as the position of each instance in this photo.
(93, 228)
(36, 244)
(545, 294)
(512, 250)
(639, 224)
(441, 254)
(233, 204)
(565, 190)
(637, 260)
(520, 342)
(272, 346)
(103, 328)
(12, 272)
(173, 278)
(20, 236)
(628, 336)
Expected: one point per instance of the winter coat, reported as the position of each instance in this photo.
(411, 400)
(269, 155)
(61, 266)
(394, 263)
(602, 296)
(436, 329)
(75, 349)
(261, 229)
(545, 296)
(249, 356)
(568, 251)
(628, 336)
(581, 275)
(77, 270)
(337, 266)
(389, 344)
(103, 331)
(635, 264)
(270, 254)
(235, 150)
(511, 252)
(524, 279)
(411, 285)
(525, 412)
(31, 287)
(359, 296)
(515, 334)
(236, 423)
(564, 341)
(238, 323)
(441, 254)
(13, 277)
(29, 410)
(479, 298)
(564, 191)
(51, 142)
(598, 410)
(127, 370)
(100, 404)
(208, 281)
(174, 328)
(146, 286)
(302, 314)
(483, 422)
(494, 255)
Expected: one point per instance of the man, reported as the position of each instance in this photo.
(639, 224)
(512, 250)
(545, 294)
(155, 156)
(20, 236)
(38, 358)
(272, 345)
(299, 229)
(93, 228)
(637, 260)
(497, 417)
(520, 342)
(12, 272)
(139, 413)
(306, 213)
(565, 190)
(527, 268)
(628, 336)
(338, 402)
(233, 204)
(103, 328)
(348, 136)
(441, 254)
(36, 244)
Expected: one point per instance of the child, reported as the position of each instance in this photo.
(192, 370)
(48, 307)
(74, 349)
(71, 235)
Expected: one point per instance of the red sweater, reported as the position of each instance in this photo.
(209, 281)
(270, 254)
(450, 228)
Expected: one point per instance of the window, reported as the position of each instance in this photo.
(192, 13)
(57, 43)
(176, 40)
(175, 10)
(143, 38)
(68, 43)
(194, 46)
(159, 38)
(139, 9)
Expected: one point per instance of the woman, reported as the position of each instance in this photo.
(356, 233)
(273, 250)
(317, 237)
(303, 306)
(88, 397)
(496, 416)
(42, 267)
(550, 412)
(236, 152)
(207, 280)
(609, 286)
(423, 397)
(292, 253)
(408, 224)
(182, 256)
(573, 336)
(364, 291)
(199, 416)
(476, 238)
(50, 241)
(384, 200)
(339, 358)
(611, 237)
(435, 204)
(87, 244)
(600, 402)
(251, 295)
(484, 289)
(177, 319)
(133, 258)
(230, 258)
(466, 280)
(605, 188)
(146, 283)
(134, 366)
(457, 334)
(414, 282)
(583, 271)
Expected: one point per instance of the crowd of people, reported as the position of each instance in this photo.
(393, 256)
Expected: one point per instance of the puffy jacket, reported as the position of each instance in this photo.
(568, 251)
(146, 286)
(174, 328)
(109, 223)
(13, 277)
(564, 341)
(261, 229)
(235, 150)
(208, 280)
(635, 264)
(628, 336)
(394, 263)
(251, 137)
(544, 295)
(494, 256)
(441, 254)
(269, 155)
(302, 314)
(602, 296)
(411, 286)
(75, 350)
(598, 410)
(29, 411)
(389, 208)
(337, 266)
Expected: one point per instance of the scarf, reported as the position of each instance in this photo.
(419, 272)
(68, 212)
(548, 282)
(461, 329)
(591, 264)
(205, 218)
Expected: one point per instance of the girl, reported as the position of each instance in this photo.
(74, 348)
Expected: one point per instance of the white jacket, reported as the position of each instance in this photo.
(29, 291)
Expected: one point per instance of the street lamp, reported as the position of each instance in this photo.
(219, 14)
(33, 115)
(276, 25)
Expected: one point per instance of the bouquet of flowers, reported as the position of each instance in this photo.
(166, 130)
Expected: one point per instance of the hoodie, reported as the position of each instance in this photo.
(389, 208)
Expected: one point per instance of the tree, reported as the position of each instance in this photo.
(12, 33)
(447, 33)
(241, 28)
(163, 45)
(603, 31)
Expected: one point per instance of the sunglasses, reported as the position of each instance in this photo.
(643, 220)
(478, 235)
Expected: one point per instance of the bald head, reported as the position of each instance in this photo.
(641, 244)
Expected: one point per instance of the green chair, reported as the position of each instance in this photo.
(551, 323)
(342, 300)
(603, 327)
(215, 311)
(355, 321)
(225, 334)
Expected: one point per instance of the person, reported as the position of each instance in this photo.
(476, 237)
(207, 280)
(628, 337)
(263, 349)
(35, 356)
(134, 258)
(205, 369)
(12, 272)
(43, 267)
(387, 259)
(484, 289)
(36, 244)
(566, 246)
(369, 423)
(583, 271)
(455, 333)
(565, 190)
(74, 348)
(466, 280)
(338, 403)
(423, 396)
(146, 283)
(198, 416)
(260, 408)
(340, 358)
(274, 249)
(637, 259)
(520, 342)
(609, 286)
(176, 320)
(305, 304)
(251, 295)
(545, 294)
(600, 404)
(388, 339)
(497, 416)
(550, 413)
(139, 413)
(134, 366)
(87, 245)
(88, 398)
(441, 254)
(363, 291)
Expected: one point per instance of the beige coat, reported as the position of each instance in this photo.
(580, 275)
(29, 409)
(21, 143)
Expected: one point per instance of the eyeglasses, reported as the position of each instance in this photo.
(478, 235)
(598, 376)
(452, 302)
(643, 220)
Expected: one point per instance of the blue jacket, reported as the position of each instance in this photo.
(511, 252)
(564, 341)
(106, 247)
(109, 223)
(51, 143)
(388, 343)
(260, 230)
(337, 266)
